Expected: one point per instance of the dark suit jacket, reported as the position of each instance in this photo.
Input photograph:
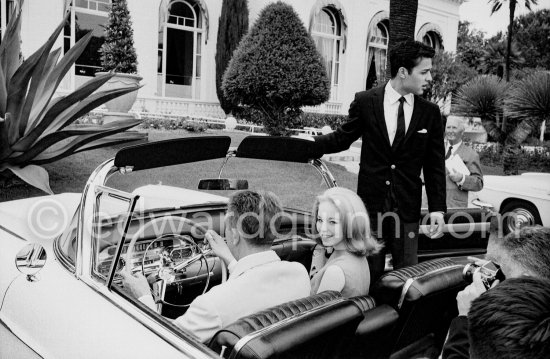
(384, 169)
(457, 345)
(457, 196)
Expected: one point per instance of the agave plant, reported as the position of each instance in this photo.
(35, 126)
(528, 102)
(483, 96)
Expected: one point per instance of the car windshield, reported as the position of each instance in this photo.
(296, 184)
(168, 204)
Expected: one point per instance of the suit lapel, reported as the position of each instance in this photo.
(417, 111)
(378, 105)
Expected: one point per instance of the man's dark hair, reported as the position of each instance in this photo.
(257, 215)
(408, 54)
(511, 320)
(529, 247)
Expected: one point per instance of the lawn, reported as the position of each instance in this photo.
(296, 184)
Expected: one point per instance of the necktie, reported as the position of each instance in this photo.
(449, 152)
(400, 131)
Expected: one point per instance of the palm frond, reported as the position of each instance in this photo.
(482, 96)
(530, 97)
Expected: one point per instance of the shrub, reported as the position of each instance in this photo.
(448, 74)
(536, 160)
(319, 120)
(179, 123)
(305, 119)
(117, 52)
(529, 104)
(276, 70)
(232, 26)
(483, 97)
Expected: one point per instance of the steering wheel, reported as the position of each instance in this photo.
(166, 274)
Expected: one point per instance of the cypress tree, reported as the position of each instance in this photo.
(277, 69)
(118, 53)
(232, 26)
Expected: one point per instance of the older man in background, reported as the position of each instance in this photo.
(463, 169)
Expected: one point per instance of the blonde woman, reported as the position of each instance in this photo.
(342, 228)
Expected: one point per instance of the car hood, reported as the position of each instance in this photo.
(527, 183)
(19, 217)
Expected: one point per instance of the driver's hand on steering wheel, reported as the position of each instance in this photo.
(134, 284)
(219, 247)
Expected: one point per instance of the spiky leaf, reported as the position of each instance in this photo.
(530, 98)
(34, 175)
(57, 108)
(74, 145)
(54, 137)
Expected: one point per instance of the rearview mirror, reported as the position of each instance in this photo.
(223, 184)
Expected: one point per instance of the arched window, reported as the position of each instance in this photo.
(377, 48)
(86, 15)
(430, 34)
(180, 40)
(6, 9)
(327, 34)
(432, 39)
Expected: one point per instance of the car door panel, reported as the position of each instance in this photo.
(465, 233)
(59, 316)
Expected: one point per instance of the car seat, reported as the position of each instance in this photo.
(424, 296)
(319, 326)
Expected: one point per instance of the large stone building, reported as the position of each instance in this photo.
(175, 42)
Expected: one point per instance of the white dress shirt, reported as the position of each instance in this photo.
(455, 147)
(391, 106)
(256, 282)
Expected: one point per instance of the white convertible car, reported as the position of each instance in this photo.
(525, 199)
(60, 293)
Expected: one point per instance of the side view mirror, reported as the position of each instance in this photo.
(30, 260)
(223, 184)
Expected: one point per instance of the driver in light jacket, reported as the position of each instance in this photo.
(258, 278)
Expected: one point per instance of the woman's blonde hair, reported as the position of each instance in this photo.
(353, 218)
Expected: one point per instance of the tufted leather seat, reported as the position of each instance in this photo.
(424, 295)
(320, 326)
(372, 337)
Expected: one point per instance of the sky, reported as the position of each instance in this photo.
(478, 12)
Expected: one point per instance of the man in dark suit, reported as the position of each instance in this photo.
(402, 134)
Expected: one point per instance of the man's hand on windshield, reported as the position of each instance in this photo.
(437, 222)
(219, 247)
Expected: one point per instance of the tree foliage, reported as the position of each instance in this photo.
(495, 54)
(483, 96)
(469, 46)
(495, 6)
(533, 38)
(402, 24)
(529, 102)
(117, 52)
(277, 69)
(448, 74)
(232, 26)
